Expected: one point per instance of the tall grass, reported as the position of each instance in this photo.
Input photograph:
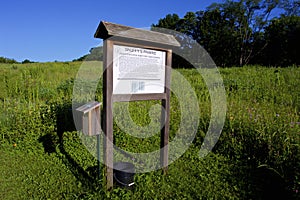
(261, 135)
(26, 90)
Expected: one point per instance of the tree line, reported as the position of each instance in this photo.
(12, 61)
(238, 33)
(234, 33)
(7, 60)
(95, 54)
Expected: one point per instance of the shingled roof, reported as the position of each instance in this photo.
(106, 30)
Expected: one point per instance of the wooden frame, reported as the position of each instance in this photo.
(88, 116)
(131, 37)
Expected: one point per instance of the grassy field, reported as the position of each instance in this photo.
(256, 157)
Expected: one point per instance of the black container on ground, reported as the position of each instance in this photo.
(124, 173)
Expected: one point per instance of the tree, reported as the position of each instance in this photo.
(7, 60)
(96, 54)
(282, 36)
(172, 24)
(169, 22)
(233, 32)
(216, 35)
(291, 7)
(26, 61)
(246, 20)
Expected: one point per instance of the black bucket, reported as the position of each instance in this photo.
(124, 173)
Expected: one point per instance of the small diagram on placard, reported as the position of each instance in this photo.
(137, 86)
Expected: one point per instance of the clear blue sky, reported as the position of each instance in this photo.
(63, 30)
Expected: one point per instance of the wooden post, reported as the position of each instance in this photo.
(98, 156)
(88, 117)
(108, 117)
(125, 38)
(165, 116)
(89, 120)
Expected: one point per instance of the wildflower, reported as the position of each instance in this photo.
(14, 145)
(231, 117)
(292, 124)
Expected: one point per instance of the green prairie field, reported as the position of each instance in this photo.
(256, 157)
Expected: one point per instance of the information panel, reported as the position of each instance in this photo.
(138, 70)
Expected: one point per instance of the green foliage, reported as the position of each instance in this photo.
(282, 36)
(169, 22)
(26, 174)
(96, 54)
(7, 60)
(237, 33)
(26, 61)
(256, 157)
(25, 95)
(291, 7)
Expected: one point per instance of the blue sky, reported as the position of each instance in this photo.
(63, 30)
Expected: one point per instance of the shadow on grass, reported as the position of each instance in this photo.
(60, 115)
(257, 181)
(268, 184)
(88, 178)
(260, 182)
(54, 143)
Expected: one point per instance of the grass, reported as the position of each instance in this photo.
(28, 175)
(256, 157)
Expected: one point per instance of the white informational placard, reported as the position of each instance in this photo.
(138, 70)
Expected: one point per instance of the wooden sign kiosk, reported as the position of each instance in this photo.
(137, 66)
